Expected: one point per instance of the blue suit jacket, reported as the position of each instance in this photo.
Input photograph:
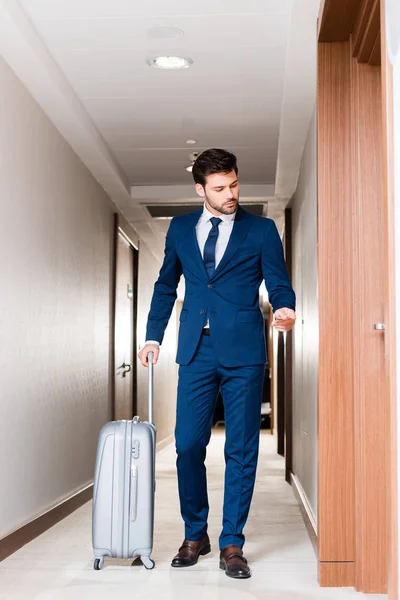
(230, 298)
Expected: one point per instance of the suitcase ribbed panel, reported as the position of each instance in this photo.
(127, 491)
(124, 486)
(123, 500)
(117, 517)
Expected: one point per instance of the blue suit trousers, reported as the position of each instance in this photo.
(241, 390)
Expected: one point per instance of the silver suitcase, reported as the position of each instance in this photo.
(124, 487)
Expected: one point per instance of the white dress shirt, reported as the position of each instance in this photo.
(203, 229)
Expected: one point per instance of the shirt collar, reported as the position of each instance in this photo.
(207, 215)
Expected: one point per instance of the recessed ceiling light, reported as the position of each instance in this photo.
(189, 169)
(165, 33)
(191, 142)
(170, 62)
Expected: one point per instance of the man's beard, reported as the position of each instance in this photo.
(223, 209)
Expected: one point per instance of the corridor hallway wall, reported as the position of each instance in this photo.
(55, 248)
(56, 254)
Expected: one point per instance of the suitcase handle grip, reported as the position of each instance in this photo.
(151, 385)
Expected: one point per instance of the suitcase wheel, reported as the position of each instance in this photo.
(148, 563)
(98, 563)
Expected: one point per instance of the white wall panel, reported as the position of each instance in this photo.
(305, 360)
(55, 252)
(56, 232)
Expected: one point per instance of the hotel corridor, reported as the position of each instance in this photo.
(59, 566)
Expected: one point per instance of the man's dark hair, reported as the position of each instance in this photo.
(213, 161)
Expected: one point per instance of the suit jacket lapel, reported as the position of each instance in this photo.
(191, 246)
(239, 232)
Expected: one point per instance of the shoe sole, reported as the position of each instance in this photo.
(243, 576)
(203, 552)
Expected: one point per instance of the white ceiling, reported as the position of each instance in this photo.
(251, 88)
(231, 97)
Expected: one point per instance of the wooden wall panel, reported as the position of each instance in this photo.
(370, 34)
(375, 58)
(370, 407)
(360, 25)
(340, 19)
(334, 574)
(390, 309)
(336, 19)
(335, 385)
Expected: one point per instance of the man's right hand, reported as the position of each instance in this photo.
(144, 353)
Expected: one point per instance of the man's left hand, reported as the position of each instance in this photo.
(284, 319)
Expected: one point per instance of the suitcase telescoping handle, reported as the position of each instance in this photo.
(151, 386)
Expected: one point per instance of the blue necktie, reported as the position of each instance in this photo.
(209, 248)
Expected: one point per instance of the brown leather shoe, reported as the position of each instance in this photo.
(233, 562)
(189, 552)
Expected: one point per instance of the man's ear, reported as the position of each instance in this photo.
(200, 190)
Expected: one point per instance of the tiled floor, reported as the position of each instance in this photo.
(59, 565)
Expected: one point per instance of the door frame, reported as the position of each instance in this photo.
(288, 359)
(271, 361)
(122, 227)
(280, 395)
(349, 33)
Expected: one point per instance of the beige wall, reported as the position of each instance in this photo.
(56, 231)
(55, 251)
(165, 372)
(305, 363)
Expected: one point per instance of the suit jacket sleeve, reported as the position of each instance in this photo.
(280, 291)
(164, 294)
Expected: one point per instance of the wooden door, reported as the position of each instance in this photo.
(280, 400)
(271, 361)
(353, 268)
(125, 327)
(370, 399)
(288, 360)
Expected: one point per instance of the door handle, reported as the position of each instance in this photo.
(126, 367)
(379, 326)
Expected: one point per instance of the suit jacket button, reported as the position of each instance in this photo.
(202, 312)
(210, 286)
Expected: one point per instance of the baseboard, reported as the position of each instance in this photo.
(25, 534)
(306, 512)
(165, 442)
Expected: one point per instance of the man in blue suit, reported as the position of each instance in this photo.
(224, 254)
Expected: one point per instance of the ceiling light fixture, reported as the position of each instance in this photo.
(191, 142)
(170, 62)
(189, 169)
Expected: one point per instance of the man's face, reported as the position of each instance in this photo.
(221, 193)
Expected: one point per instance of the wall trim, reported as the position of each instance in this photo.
(306, 512)
(28, 532)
